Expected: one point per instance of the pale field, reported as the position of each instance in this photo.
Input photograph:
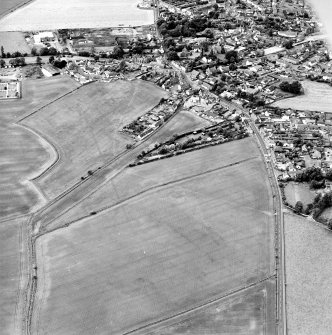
(60, 14)
(84, 127)
(159, 253)
(299, 192)
(14, 41)
(145, 177)
(316, 97)
(308, 277)
(23, 153)
(12, 249)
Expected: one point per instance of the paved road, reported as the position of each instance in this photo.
(281, 317)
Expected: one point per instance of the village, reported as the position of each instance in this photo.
(214, 58)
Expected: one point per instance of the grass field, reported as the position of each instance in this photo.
(11, 251)
(14, 41)
(23, 153)
(299, 192)
(308, 277)
(132, 181)
(316, 97)
(48, 14)
(84, 127)
(160, 252)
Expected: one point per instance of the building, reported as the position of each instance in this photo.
(49, 70)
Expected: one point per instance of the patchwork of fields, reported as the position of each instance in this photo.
(84, 127)
(60, 14)
(160, 252)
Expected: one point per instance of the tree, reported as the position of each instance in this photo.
(298, 207)
(43, 52)
(3, 55)
(288, 44)
(231, 56)
(52, 51)
(51, 60)
(38, 60)
(294, 87)
(2, 63)
(172, 55)
(34, 51)
(118, 52)
(329, 224)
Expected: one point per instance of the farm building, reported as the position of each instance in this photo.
(43, 37)
(49, 70)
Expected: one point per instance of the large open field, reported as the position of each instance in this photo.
(308, 277)
(14, 41)
(60, 14)
(84, 127)
(12, 275)
(24, 154)
(163, 251)
(316, 97)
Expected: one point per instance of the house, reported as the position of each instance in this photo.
(49, 70)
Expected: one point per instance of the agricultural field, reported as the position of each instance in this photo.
(244, 313)
(14, 41)
(9, 5)
(52, 15)
(316, 97)
(12, 274)
(142, 178)
(84, 128)
(308, 277)
(295, 192)
(24, 154)
(171, 248)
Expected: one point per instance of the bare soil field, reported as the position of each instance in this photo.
(308, 277)
(14, 41)
(12, 254)
(24, 154)
(132, 181)
(158, 253)
(7, 6)
(60, 14)
(84, 127)
(316, 97)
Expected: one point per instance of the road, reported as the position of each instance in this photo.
(281, 317)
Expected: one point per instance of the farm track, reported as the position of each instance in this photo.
(150, 189)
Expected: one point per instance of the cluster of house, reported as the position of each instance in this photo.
(299, 138)
(147, 123)
(263, 60)
(213, 135)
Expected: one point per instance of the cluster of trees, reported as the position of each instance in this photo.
(295, 87)
(177, 26)
(19, 61)
(11, 55)
(61, 64)
(288, 44)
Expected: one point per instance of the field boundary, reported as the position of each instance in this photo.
(153, 188)
(199, 307)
